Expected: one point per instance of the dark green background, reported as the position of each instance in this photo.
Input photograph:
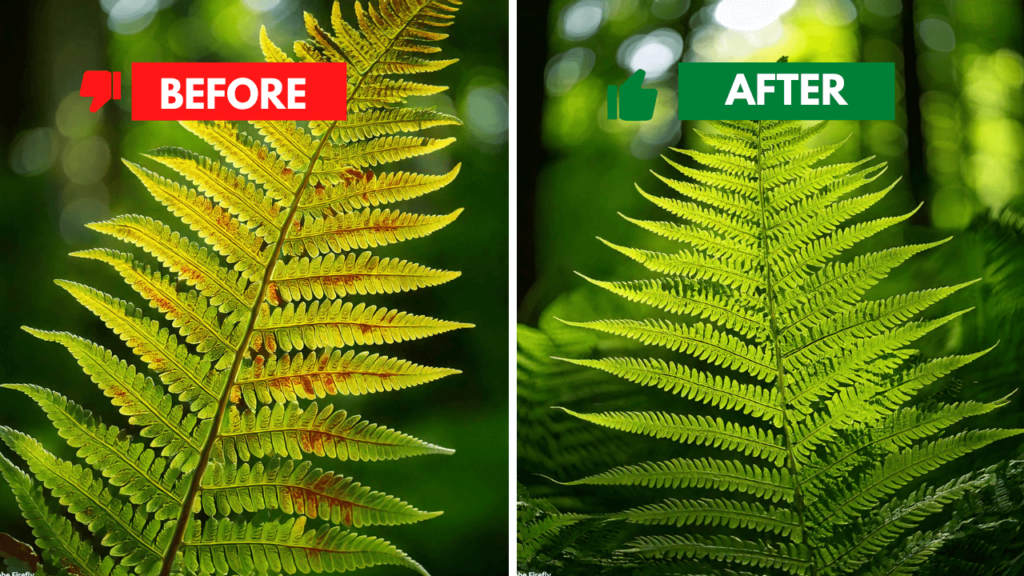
(47, 47)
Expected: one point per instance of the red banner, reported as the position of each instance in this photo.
(238, 91)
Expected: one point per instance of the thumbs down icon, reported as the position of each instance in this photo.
(101, 86)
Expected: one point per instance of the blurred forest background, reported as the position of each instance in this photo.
(61, 169)
(957, 141)
(957, 144)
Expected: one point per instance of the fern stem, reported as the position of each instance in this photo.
(204, 456)
(780, 383)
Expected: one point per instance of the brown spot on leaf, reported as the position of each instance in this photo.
(272, 295)
(307, 387)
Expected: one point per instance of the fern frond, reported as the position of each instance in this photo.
(279, 208)
(232, 191)
(250, 157)
(791, 557)
(715, 390)
(352, 194)
(900, 468)
(387, 121)
(180, 435)
(62, 547)
(198, 267)
(184, 373)
(227, 236)
(766, 290)
(134, 539)
(195, 318)
(700, 341)
(729, 476)
(682, 297)
(893, 519)
(142, 477)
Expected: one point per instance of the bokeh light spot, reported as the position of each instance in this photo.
(132, 16)
(655, 53)
(567, 69)
(582, 19)
(937, 34)
(34, 151)
(86, 161)
(73, 118)
(885, 8)
(836, 12)
(750, 15)
(76, 215)
(261, 5)
(486, 114)
(669, 9)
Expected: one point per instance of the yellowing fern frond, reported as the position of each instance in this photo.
(252, 324)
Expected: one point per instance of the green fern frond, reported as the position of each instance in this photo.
(766, 297)
(56, 537)
(261, 312)
(238, 547)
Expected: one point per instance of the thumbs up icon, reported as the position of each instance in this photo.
(100, 85)
(635, 104)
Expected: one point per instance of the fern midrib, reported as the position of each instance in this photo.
(319, 433)
(319, 493)
(204, 458)
(368, 325)
(780, 385)
(322, 373)
(302, 234)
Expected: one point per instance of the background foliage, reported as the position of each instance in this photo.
(60, 169)
(957, 142)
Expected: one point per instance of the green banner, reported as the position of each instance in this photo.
(787, 91)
